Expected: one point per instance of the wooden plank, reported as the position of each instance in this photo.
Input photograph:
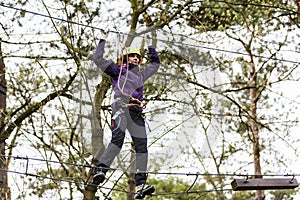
(264, 184)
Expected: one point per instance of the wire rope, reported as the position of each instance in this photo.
(186, 192)
(109, 188)
(27, 159)
(162, 40)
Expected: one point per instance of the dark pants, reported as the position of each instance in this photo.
(132, 120)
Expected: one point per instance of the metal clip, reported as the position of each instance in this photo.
(246, 179)
(293, 178)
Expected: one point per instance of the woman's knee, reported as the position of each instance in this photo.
(118, 138)
(140, 145)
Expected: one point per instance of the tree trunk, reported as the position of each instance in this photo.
(97, 132)
(297, 2)
(131, 186)
(5, 191)
(131, 174)
(89, 193)
(254, 127)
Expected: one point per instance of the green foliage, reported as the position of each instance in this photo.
(220, 15)
(173, 188)
(284, 194)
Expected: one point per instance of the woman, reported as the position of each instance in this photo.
(128, 84)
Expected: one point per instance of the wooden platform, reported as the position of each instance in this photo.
(264, 184)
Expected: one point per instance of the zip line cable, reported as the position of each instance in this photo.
(55, 179)
(84, 183)
(112, 189)
(27, 159)
(139, 35)
(186, 192)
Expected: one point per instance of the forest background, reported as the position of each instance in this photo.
(223, 105)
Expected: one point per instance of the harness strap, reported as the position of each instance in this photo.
(131, 103)
(117, 114)
(143, 106)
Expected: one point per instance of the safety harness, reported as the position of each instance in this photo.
(133, 101)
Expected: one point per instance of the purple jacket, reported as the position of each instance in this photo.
(134, 83)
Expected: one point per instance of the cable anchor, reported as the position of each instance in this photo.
(246, 180)
(293, 178)
(192, 183)
(27, 165)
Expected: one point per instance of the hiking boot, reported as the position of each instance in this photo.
(143, 190)
(98, 177)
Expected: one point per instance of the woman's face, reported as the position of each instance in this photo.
(133, 58)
